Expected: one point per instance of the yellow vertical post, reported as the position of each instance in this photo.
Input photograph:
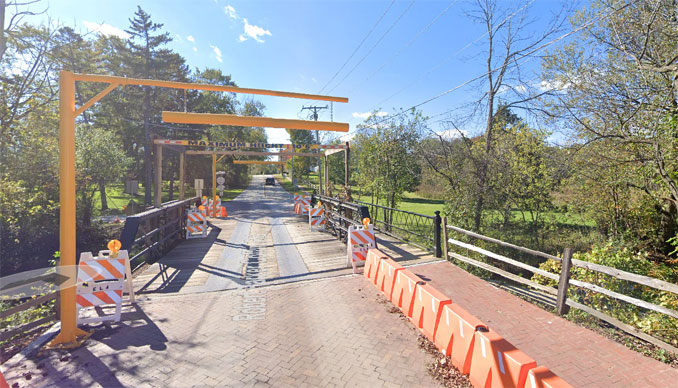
(181, 176)
(69, 330)
(214, 184)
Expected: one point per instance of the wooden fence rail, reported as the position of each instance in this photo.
(11, 332)
(563, 280)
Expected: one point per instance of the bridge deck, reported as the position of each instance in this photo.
(260, 217)
(196, 324)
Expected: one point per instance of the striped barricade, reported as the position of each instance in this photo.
(316, 218)
(304, 205)
(297, 203)
(196, 223)
(100, 282)
(360, 240)
(123, 254)
(220, 208)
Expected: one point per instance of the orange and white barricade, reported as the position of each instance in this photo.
(360, 240)
(297, 200)
(196, 223)
(121, 254)
(304, 205)
(497, 363)
(101, 281)
(316, 218)
(542, 377)
(220, 208)
(427, 308)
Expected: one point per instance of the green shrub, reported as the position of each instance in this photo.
(650, 322)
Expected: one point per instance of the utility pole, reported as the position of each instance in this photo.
(314, 116)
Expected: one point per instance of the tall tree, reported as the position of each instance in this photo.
(619, 93)
(146, 44)
(506, 83)
(386, 156)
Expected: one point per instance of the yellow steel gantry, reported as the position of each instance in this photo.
(69, 333)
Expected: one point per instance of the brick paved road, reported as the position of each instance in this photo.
(321, 333)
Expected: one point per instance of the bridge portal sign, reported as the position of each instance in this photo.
(240, 144)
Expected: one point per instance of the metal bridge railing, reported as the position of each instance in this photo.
(151, 234)
(417, 229)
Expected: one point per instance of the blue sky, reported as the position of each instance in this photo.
(299, 45)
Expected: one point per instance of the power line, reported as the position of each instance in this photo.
(408, 43)
(359, 46)
(528, 54)
(375, 45)
(448, 59)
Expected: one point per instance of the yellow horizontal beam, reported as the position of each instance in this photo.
(214, 88)
(253, 153)
(256, 162)
(251, 121)
(330, 152)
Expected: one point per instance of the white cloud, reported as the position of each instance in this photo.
(451, 134)
(554, 85)
(105, 29)
(190, 38)
(195, 49)
(366, 115)
(254, 32)
(230, 11)
(217, 53)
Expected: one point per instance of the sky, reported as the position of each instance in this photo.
(382, 55)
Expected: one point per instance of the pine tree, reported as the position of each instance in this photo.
(145, 45)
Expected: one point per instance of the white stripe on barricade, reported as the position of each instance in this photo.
(360, 240)
(101, 281)
(316, 217)
(196, 224)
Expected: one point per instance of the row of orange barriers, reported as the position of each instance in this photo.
(474, 349)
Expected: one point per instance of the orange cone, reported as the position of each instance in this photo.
(224, 213)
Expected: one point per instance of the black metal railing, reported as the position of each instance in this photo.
(150, 234)
(340, 215)
(417, 229)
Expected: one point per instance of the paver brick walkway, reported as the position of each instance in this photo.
(580, 356)
(322, 333)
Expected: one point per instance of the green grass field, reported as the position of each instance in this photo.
(118, 199)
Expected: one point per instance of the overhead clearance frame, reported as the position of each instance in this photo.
(322, 150)
(69, 332)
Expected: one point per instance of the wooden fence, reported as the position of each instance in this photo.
(563, 280)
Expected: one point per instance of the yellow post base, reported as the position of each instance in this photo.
(64, 341)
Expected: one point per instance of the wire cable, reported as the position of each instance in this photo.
(407, 45)
(375, 45)
(359, 46)
(526, 55)
(448, 59)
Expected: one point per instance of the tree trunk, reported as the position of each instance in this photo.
(148, 161)
(102, 194)
(171, 188)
